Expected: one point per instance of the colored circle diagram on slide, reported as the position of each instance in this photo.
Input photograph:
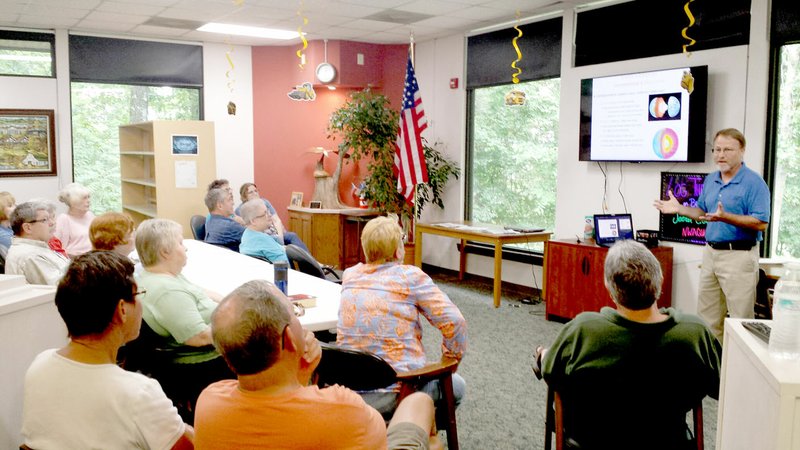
(665, 143)
(658, 107)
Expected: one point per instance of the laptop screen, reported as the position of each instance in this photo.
(608, 228)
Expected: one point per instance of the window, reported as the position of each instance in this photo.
(513, 155)
(97, 112)
(785, 234)
(26, 54)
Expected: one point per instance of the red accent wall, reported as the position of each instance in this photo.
(285, 130)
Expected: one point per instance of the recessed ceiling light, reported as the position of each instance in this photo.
(243, 30)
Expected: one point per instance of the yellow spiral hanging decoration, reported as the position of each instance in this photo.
(300, 53)
(683, 32)
(229, 72)
(515, 76)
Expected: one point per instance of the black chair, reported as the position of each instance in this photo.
(3, 253)
(147, 355)
(198, 225)
(302, 261)
(364, 371)
(554, 423)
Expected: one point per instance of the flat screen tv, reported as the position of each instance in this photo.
(657, 116)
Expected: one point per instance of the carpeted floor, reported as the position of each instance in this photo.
(504, 407)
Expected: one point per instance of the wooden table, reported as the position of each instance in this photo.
(490, 234)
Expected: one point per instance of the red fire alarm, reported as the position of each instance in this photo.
(453, 83)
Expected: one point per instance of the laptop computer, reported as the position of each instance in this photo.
(608, 228)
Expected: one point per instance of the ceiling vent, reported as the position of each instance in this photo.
(398, 17)
(174, 23)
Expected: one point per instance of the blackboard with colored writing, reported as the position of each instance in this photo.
(686, 187)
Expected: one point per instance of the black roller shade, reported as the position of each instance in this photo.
(785, 22)
(489, 55)
(125, 61)
(646, 28)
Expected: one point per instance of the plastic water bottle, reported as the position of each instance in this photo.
(784, 340)
(281, 277)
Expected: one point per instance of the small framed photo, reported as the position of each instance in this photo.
(297, 199)
(183, 144)
(315, 205)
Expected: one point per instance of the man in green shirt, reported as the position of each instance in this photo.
(628, 376)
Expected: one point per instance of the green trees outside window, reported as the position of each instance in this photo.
(97, 112)
(785, 229)
(514, 154)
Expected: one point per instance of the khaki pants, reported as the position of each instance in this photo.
(728, 280)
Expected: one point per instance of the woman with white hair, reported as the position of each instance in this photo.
(72, 228)
(176, 309)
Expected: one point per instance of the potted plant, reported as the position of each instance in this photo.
(367, 128)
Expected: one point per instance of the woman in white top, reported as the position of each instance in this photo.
(72, 228)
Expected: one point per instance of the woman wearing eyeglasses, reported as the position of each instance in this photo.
(175, 309)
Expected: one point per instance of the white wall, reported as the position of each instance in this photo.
(234, 134)
(737, 98)
(43, 93)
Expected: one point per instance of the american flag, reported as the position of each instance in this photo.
(409, 156)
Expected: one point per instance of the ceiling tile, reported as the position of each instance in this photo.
(45, 11)
(478, 13)
(130, 8)
(371, 25)
(453, 23)
(47, 22)
(378, 3)
(430, 7)
(104, 25)
(99, 16)
(79, 4)
(158, 31)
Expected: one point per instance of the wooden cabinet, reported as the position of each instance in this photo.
(158, 183)
(574, 278)
(332, 235)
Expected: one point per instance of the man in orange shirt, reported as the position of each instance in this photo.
(271, 404)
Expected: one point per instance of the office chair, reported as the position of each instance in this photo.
(364, 371)
(198, 225)
(146, 354)
(302, 261)
(554, 423)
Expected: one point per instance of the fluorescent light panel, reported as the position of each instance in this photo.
(242, 30)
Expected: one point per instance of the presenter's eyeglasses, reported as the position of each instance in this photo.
(727, 151)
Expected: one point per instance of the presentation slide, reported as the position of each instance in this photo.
(640, 117)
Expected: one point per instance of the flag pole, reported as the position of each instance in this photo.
(414, 209)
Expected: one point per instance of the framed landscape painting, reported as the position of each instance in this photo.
(27, 142)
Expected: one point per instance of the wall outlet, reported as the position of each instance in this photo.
(360, 59)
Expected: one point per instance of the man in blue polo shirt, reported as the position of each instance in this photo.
(735, 203)
(220, 228)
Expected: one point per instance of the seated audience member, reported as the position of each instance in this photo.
(72, 228)
(628, 376)
(380, 311)
(225, 184)
(54, 243)
(254, 241)
(7, 205)
(249, 191)
(76, 397)
(220, 228)
(174, 308)
(113, 231)
(271, 404)
(29, 254)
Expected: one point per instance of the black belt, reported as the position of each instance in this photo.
(732, 245)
